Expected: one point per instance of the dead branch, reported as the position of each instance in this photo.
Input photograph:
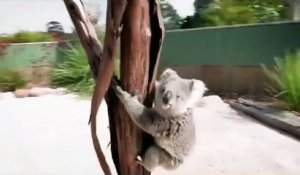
(94, 51)
(143, 15)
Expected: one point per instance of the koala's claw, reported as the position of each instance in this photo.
(176, 162)
(118, 90)
(137, 95)
(138, 159)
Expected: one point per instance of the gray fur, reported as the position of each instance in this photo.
(171, 124)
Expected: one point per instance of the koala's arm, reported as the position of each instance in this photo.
(145, 118)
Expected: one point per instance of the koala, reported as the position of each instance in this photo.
(198, 89)
(169, 121)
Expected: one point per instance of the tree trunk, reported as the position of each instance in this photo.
(141, 41)
(135, 54)
(140, 50)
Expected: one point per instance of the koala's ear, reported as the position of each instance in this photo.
(168, 73)
(198, 85)
(191, 85)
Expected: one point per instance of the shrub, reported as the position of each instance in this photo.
(74, 73)
(27, 37)
(268, 10)
(228, 12)
(11, 80)
(285, 80)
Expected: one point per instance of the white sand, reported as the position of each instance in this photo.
(50, 135)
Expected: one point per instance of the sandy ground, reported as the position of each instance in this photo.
(50, 135)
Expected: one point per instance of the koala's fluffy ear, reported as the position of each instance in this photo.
(191, 85)
(197, 85)
(168, 73)
(197, 89)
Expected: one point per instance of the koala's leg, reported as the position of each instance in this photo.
(151, 158)
(170, 163)
(145, 118)
(156, 156)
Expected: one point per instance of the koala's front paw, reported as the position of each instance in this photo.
(138, 159)
(119, 91)
(176, 162)
(121, 94)
(137, 95)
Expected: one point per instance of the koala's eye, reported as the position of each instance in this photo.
(178, 96)
(162, 90)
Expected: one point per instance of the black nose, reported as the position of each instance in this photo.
(166, 97)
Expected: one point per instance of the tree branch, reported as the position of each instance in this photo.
(94, 51)
(147, 48)
(158, 34)
(114, 16)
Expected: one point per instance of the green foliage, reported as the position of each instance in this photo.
(268, 10)
(11, 80)
(74, 73)
(285, 80)
(193, 21)
(170, 16)
(228, 12)
(27, 37)
(199, 5)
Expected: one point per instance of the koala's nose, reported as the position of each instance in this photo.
(167, 97)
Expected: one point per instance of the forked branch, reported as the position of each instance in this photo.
(101, 62)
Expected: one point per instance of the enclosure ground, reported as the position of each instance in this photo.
(280, 119)
(50, 135)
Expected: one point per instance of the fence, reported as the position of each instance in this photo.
(35, 60)
(226, 58)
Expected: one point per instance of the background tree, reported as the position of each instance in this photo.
(170, 16)
(196, 20)
(230, 12)
(56, 29)
(94, 13)
(200, 5)
(268, 10)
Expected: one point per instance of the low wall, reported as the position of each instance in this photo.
(222, 79)
(228, 58)
(34, 60)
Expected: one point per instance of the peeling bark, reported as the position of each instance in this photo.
(158, 34)
(114, 16)
(141, 42)
(94, 51)
(86, 33)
